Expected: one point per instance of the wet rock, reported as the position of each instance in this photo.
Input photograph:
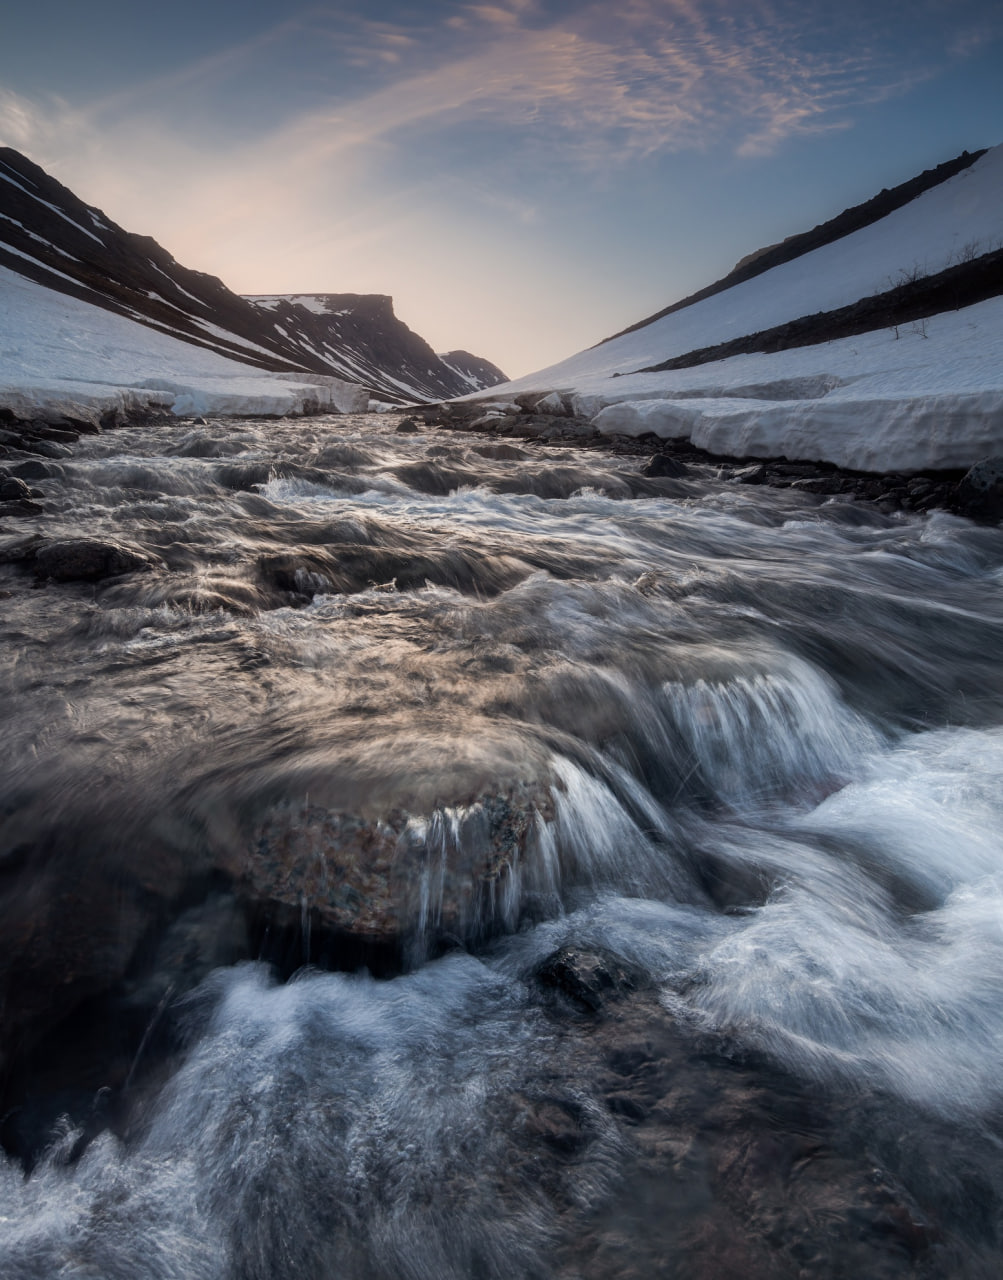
(346, 568)
(35, 470)
(62, 435)
(88, 560)
(588, 978)
(46, 449)
(428, 477)
(243, 477)
(980, 491)
(21, 508)
(405, 842)
(820, 484)
(750, 475)
(663, 464)
(500, 452)
(407, 427)
(12, 489)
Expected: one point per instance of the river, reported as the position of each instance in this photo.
(452, 857)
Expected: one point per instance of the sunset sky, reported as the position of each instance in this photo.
(524, 178)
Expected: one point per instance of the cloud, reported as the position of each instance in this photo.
(354, 183)
(592, 87)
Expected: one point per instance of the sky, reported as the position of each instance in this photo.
(524, 177)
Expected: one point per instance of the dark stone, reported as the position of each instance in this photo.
(795, 470)
(88, 560)
(244, 477)
(820, 484)
(46, 448)
(586, 977)
(12, 489)
(33, 470)
(980, 491)
(81, 426)
(500, 452)
(21, 507)
(663, 464)
(407, 427)
(44, 431)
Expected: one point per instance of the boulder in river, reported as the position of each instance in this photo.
(663, 464)
(402, 841)
(12, 489)
(88, 560)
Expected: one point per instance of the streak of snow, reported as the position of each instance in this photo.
(55, 208)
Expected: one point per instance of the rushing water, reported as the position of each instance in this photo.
(668, 815)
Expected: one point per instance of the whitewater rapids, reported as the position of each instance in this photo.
(750, 748)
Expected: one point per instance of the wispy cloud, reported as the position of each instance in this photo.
(350, 165)
(598, 87)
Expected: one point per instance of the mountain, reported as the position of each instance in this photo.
(870, 341)
(474, 370)
(51, 237)
(357, 336)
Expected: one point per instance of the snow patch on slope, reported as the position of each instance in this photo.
(62, 356)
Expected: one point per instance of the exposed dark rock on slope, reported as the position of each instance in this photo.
(850, 220)
(358, 337)
(959, 286)
(52, 237)
(478, 372)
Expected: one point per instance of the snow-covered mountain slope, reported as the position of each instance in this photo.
(357, 335)
(51, 237)
(762, 367)
(62, 356)
(475, 371)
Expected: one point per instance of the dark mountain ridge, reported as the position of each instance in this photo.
(358, 337)
(52, 237)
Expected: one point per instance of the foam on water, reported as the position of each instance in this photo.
(332, 1126)
(744, 745)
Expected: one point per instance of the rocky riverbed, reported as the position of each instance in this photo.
(440, 849)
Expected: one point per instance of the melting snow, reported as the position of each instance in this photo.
(64, 356)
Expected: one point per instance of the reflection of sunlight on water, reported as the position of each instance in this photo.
(743, 746)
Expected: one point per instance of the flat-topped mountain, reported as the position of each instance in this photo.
(357, 336)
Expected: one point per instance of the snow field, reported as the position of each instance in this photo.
(62, 356)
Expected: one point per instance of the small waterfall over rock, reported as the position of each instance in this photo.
(425, 859)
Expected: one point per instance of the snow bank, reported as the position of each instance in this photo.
(60, 356)
(931, 397)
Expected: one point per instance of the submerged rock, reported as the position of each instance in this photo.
(88, 560)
